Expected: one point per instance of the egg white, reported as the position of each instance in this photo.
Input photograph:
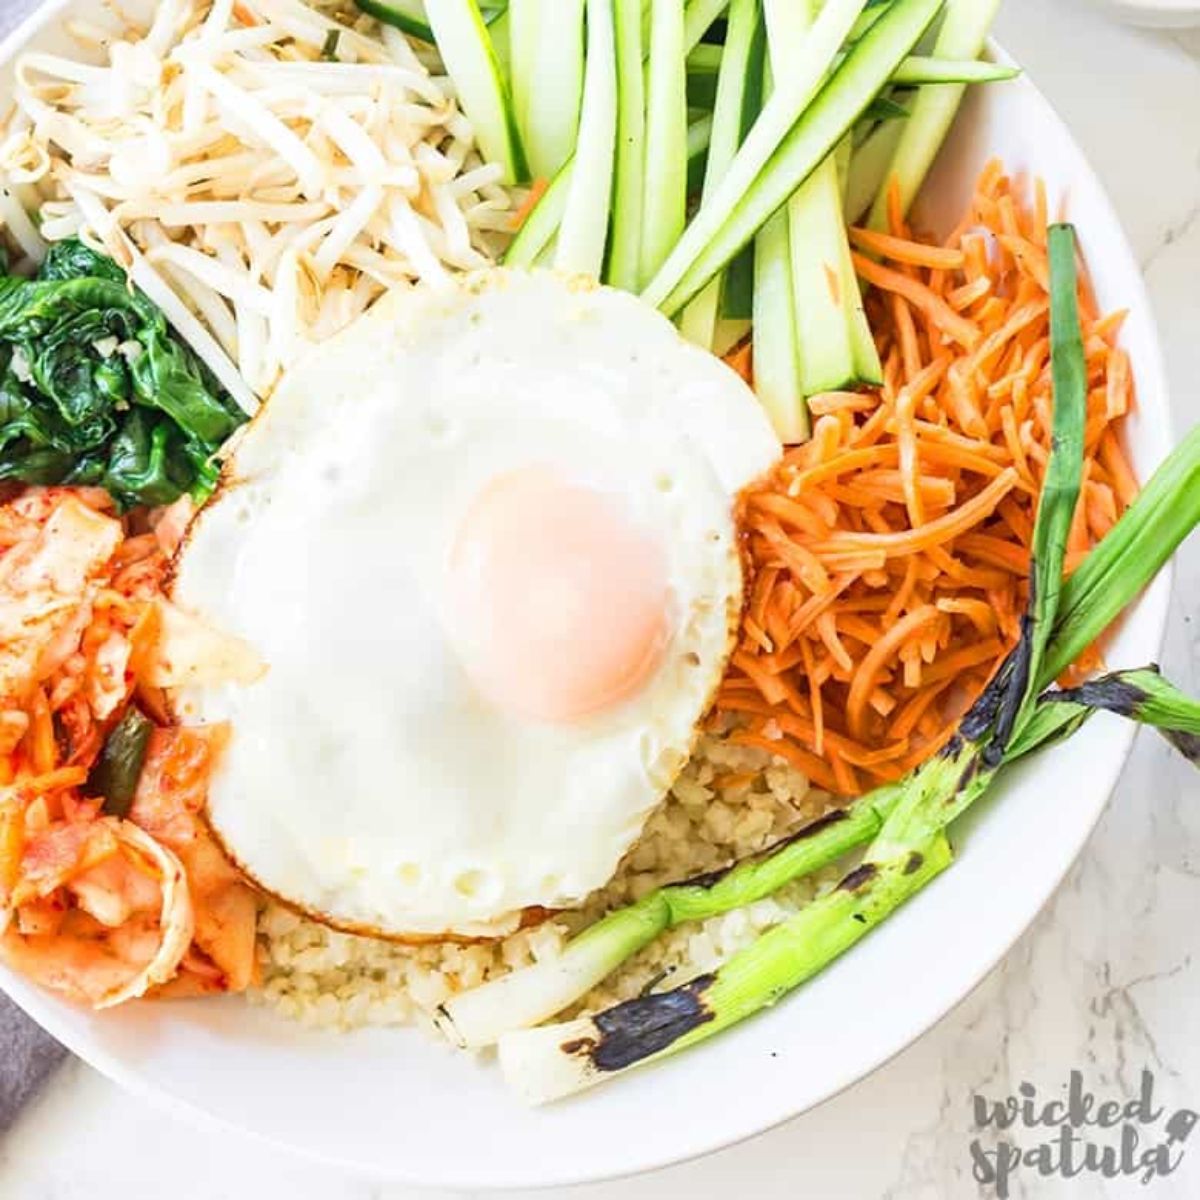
(366, 780)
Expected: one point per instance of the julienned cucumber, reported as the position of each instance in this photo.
(547, 79)
(523, 29)
(794, 94)
(821, 126)
(625, 249)
(917, 68)
(406, 15)
(962, 35)
(706, 59)
(834, 345)
(584, 230)
(698, 16)
(773, 311)
(869, 167)
(466, 48)
(739, 95)
(773, 328)
(409, 16)
(664, 189)
(540, 226)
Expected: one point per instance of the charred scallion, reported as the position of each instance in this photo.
(1143, 696)
(554, 1061)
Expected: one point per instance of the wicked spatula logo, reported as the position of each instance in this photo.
(1076, 1133)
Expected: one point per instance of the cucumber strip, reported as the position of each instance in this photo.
(737, 287)
(699, 136)
(523, 23)
(776, 351)
(701, 90)
(698, 17)
(537, 234)
(736, 99)
(885, 108)
(868, 369)
(584, 229)
(500, 30)
(834, 345)
(409, 16)
(774, 125)
(406, 15)
(737, 280)
(708, 244)
(869, 167)
(730, 331)
(872, 14)
(919, 68)
(776, 363)
(962, 35)
(466, 48)
(664, 187)
(624, 260)
(842, 156)
(543, 221)
(555, 88)
(705, 59)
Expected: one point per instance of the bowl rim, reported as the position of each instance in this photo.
(45, 1012)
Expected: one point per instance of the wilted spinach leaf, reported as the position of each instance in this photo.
(96, 389)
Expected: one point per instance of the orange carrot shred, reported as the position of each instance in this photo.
(536, 191)
(887, 559)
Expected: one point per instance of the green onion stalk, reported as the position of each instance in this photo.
(1142, 695)
(905, 823)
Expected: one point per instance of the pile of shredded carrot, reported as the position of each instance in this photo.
(887, 558)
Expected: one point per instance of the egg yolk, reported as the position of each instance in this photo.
(559, 598)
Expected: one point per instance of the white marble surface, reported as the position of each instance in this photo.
(1106, 981)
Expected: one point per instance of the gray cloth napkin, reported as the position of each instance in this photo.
(27, 1056)
(27, 1053)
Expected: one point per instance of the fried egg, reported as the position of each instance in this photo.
(484, 543)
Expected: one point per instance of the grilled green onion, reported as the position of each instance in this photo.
(1142, 695)
(556, 1060)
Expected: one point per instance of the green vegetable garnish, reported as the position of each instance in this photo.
(96, 390)
(116, 773)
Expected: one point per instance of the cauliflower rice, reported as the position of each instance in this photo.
(729, 801)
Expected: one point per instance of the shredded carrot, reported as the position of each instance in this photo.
(919, 295)
(902, 250)
(873, 662)
(536, 191)
(888, 558)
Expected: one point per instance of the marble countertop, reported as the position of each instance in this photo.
(1107, 980)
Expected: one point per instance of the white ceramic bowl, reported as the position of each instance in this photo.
(393, 1104)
